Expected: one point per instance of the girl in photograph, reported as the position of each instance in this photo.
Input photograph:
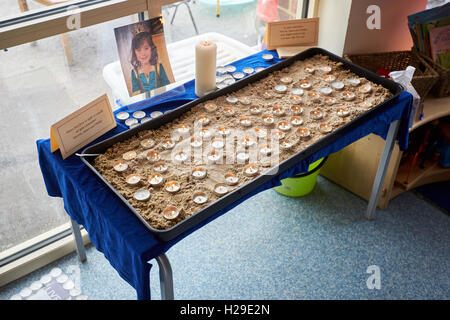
(147, 73)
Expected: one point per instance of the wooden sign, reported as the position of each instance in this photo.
(291, 33)
(82, 127)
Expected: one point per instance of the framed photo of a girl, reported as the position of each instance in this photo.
(143, 56)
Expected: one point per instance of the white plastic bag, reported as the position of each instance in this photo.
(404, 77)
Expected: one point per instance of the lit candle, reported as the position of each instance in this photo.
(296, 121)
(313, 96)
(348, 95)
(196, 142)
(296, 109)
(120, 166)
(284, 126)
(210, 107)
(231, 179)
(168, 143)
(325, 128)
(183, 129)
(224, 130)
(267, 119)
(255, 109)
(261, 133)
(303, 132)
(245, 100)
(217, 143)
(343, 112)
(142, 195)
(205, 133)
(147, 143)
(153, 156)
(245, 121)
(130, 155)
(220, 189)
(133, 179)
(304, 84)
(278, 134)
(205, 67)
(199, 173)
(199, 197)
(267, 94)
(330, 100)
(160, 167)
(316, 114)
(247, 142)
(251, 170)
(286, 144)
(295, 99)
(203, 119)
(278, 111)
(172, 186)
(329, 78)
(309, 69)
(214, 156)
(366, 88)
(242, 157)
(171, 212)
(180, 157)
(265, 150)
(286, 80)
(228, 111)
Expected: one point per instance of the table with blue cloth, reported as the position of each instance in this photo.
(122, 238)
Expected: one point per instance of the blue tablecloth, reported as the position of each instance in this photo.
(118, 234)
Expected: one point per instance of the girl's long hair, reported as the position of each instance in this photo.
(137, 42)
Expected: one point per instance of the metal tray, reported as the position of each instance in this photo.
(223, 202)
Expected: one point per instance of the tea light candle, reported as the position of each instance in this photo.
(142, 195)
(205, 133)
(238, 75)
(310, 69)
(228, 111)
(284, 126)
(196, 142)
(267, 119)
(147, 143)
(156, 114)
(153, 156)
(330, 100)
(353, 82)
(217, 143)
(295, 99)
(247, 142)
(343, 112)
(220, 189)
(296, 109)
(255, 109)
(245, 121)
(171, 212)
(329, 78)
(122, 116)
(326, 91)
(316, 114)
(131, 122)
(303, 132)
(223, 130)
(286, 144)
(168, 143)
(366, 88)
(278, 134)
(278, 111)
(265, 150)
(267, 94)
(325, 69)
(139, 114)
(214, 156)
(231, 179)
(337, 85)
(160, 167)
(245, 100)
(242, 157)
(120, 166)
(183, 129)
(130, 155)
(296, 121)
(133, 179)
(219, 79)
(229, 81)
(250, 170)
(230, 68)
(267, 57)
(220, 70)
(348, 95)
(232, 99)
(210, 107)
(286, 80)
(172, 186)
(365, 104)
(325, 128)
(199, 173)
(259, 69)
(248, 70)
(313, 96)
(304, 84)
(203, 119)
(261, 133)
(205, 67)
(180, 157)
(199, 197)
(281, 88)
(297, 91)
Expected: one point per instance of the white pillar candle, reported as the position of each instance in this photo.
(205, 67)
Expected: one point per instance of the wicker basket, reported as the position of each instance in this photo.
(442, 86)
(424, 77)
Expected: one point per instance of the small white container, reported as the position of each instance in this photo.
(122, 116)
(140, 195)
(156, 114)
(199, 173)
(280, 88)
(200, 197)
(232, 99)
(267, 57)
(139, 114)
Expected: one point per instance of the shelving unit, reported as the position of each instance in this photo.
(354, 167)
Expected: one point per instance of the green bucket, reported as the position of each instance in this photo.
(303, 183)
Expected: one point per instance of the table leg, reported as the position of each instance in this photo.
(382, 169)
(165, 277)
(78, 241)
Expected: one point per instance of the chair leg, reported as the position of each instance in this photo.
(23, 5)
(65, 40)
(192, 17)
(174, 13)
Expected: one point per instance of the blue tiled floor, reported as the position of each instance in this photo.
(314, 247)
